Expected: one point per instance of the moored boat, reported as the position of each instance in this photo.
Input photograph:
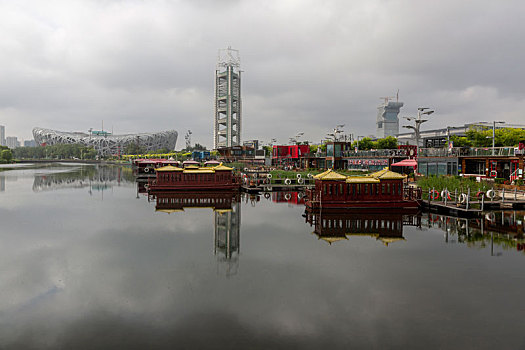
(382, 189)
(191, 177)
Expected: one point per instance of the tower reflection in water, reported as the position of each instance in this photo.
(385, 227)
(227, 220)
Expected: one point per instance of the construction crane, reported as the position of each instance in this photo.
(387, 99)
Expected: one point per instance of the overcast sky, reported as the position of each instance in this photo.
(308, 65)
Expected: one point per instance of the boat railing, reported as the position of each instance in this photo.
(411, 193)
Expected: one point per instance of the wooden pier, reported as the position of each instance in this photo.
(466, 205)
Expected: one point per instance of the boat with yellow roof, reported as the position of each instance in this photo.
(192, 177)
(382, 189)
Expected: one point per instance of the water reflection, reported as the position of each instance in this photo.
(2, 184)
(226, 208)
(385, 227)
(503, 229)
(96, 178)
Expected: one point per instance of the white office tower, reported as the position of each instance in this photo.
(387, 118)
(2, 135)
(228, 111)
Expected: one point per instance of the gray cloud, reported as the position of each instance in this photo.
(148, 66)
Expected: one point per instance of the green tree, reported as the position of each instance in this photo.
(6, 155)
(389, 142)
(460, 141)
(365, 143)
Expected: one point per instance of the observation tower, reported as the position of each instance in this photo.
(228, 111)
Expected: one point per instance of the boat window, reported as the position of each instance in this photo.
(366, 188)
(341, 189)
(388, 188)
(358, 188)
(382, 188)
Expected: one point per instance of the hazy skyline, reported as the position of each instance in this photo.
(146, 66)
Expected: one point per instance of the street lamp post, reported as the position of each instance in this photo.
(494, 134)
(417, 124)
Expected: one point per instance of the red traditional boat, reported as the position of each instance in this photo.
(192, 178)
(382, 189)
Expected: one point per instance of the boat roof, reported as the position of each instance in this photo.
(330, 175)
(199, 171)
(222, 167)
(387, 174)
(169, 168)
(362, 180)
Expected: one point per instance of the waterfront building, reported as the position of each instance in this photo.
(480, 162)
(439, 137)
(2, 135)
(12, 142)
(243, 154)
(387, 118)
(228, 106)
(105, 143)
(289, 155)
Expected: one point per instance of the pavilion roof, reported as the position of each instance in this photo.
(362, 180)
(199, 171)
(169, 168)
(386, 174)
(330, 175)
(222, 167)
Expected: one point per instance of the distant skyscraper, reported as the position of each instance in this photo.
(2, 135)
(228, 111)
(387, 118)
(12, 142)
(29, 143)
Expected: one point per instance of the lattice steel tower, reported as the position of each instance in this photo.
(228, 111)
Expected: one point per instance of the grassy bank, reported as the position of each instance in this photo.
(452, 183)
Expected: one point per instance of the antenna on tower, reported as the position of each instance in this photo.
(397, 96)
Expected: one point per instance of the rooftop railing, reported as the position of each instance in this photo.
(375, 153)
(468, 152)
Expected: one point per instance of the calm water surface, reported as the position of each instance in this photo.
(87, 261)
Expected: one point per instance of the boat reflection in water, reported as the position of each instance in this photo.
(293, 198)
(504, 229)
(386, 227)
(227, 219)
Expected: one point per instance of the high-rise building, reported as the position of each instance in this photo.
(29, 143)
(2, 135)
(387, 118)
(228, 111)
(12, 142)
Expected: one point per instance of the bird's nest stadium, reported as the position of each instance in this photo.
(105, 143)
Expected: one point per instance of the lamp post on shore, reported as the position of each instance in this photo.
(494, 134)
(417, 124)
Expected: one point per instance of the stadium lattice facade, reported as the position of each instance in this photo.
(107, 144)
